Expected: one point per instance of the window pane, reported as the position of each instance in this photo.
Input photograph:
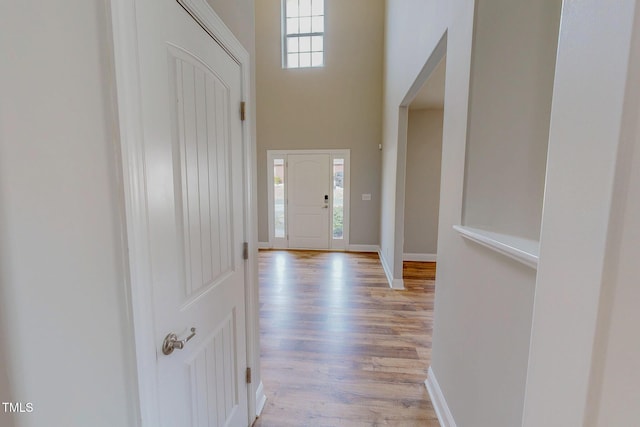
(303, 17)
(292, 25)
(292, 44)
(318, 24)
(305, 7)
(278, 198)
(338, 198)
(317, 43)
(305, 44)
(305, 25)
(305, 59)
(317, 59)
(292, 8)
(317, 7)
(292, 60)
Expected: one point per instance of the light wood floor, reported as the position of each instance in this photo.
(339, 348)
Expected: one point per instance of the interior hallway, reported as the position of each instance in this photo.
(339, 347)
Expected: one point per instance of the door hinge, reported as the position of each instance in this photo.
(248, 375)
(245, 250)
(242, 111)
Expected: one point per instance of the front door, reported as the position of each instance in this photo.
(308, 194)
(191, 93)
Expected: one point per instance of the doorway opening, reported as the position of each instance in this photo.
(421, 118)
(308, 198)
(422, 182)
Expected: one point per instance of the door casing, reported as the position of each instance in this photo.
(345, 154)
(124, 29)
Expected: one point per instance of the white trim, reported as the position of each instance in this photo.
(125, 47)
(438, 401)
(283, 34)
(202, 12)
(276, 242)
(261, 399)
(385, 267)
(586, 203)
(125, 38)
(363, 248)
(420, 257)
(215, 26)
(283, 38)
(264, 245)
(341, 244)
(397, 284)
(279, 153)
(429, 67)
(334, 244)
(393, 283)
(517, 248)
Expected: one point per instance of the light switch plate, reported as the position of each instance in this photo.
(366, 197)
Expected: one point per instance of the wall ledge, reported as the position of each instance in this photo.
(520, 249)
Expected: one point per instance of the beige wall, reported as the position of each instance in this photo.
(337, 106)
(238, 15)
(6, 392)
(68, 340)
(422, 197)
(615, 384)
(484, 301)
(512, 69)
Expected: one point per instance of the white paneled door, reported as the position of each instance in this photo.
(309, 200)
(191, 94)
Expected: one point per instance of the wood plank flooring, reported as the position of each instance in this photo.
(339, 347)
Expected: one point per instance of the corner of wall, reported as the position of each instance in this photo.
(394, 283)
(445, 417)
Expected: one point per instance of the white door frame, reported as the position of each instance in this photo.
(275, 242)
(125, 45)
(345, 154)
(394, 271)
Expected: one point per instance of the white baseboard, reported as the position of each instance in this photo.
(420, 257)
(363, 248)
(350, 248)
(397, 284)
(437, 400)
(385, 267)
(393, 283)
(261, 399)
